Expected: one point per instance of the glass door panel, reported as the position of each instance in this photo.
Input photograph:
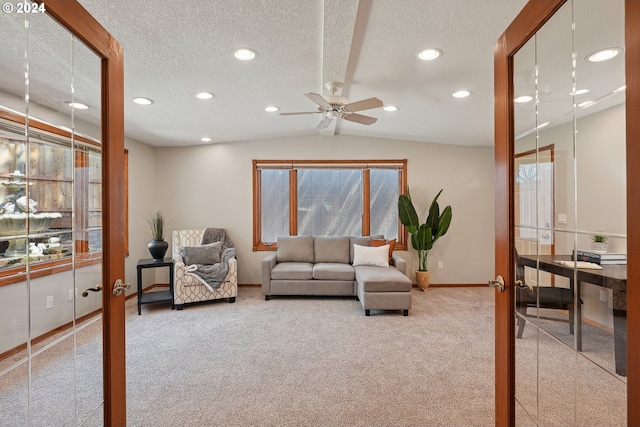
(50, 227)
(569, 186)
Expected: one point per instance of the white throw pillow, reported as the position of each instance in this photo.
(371, 255)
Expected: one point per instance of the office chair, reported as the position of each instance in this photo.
(541, 297)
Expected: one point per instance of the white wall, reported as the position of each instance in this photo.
(211, 185)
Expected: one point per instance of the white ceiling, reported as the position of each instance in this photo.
(174, 49)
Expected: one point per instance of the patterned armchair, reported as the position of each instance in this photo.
(187, 287)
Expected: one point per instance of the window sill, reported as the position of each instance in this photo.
(47, 268)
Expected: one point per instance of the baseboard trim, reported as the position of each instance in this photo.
(456, 285)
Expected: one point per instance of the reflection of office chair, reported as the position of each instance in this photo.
(542, 297)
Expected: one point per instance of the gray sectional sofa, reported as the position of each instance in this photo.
(308, 265)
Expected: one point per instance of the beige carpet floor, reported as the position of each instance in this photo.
(313, 362)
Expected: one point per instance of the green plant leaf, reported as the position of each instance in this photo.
(407, 214)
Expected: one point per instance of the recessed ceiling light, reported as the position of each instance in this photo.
(205, 139)
(461, 94)
(78, 105)
(585, 103)
(245, 54)
(143, 101)
(204, 95)
(542, 125)
(271, 109)
(620, 89)
(522, 99)
(579, 92)
(604, 54)
(429, 54)
(390, 108)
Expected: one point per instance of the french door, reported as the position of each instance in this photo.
(577, 363)
(63, 352)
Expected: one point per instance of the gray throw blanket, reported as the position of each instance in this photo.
(212, 275)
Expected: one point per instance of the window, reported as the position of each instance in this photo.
(41, 179)
(327, 198)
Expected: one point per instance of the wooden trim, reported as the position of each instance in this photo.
(366, 202)
(293, 203)
(46, 268)
(632, 65)
(46, 127)
(456, 285)
(529, 20)
(258, 245)
(46, 335)
(126, 202)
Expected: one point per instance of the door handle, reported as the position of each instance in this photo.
(498, 283)
(97, 288)
(119, 286)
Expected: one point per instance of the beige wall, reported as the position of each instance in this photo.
(211, 185)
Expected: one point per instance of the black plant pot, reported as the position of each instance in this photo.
(158, 248)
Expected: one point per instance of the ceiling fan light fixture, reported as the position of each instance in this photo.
(604, 54)
(271, 109)
(205, 139)
(333, 114)
(429, 54)
(245, 54)
(390, 108)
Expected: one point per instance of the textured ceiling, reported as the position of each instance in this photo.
(176, 49)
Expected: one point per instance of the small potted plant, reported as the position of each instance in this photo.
(157, 247)
(599, 243)
(423, 236)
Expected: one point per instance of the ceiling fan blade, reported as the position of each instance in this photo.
(324, 123)
(359, 118)
(295, 114)
(365, 104)
(318, 99)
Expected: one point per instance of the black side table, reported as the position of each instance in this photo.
(151, 297)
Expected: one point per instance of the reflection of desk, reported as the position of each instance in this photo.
(612, 276)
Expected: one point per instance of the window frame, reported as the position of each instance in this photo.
(365, 165)
(82, 259)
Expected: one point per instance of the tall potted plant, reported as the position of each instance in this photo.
(423, 236)
(158, 246)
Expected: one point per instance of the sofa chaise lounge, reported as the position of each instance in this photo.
(308, 265)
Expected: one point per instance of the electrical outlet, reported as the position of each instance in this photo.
(76, 293)
(49, 302)
(603, 295)
(70, 294)
(440, 265)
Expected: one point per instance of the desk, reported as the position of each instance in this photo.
(151, 297)
(612, 276)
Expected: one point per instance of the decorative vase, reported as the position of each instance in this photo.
(158, 248)
(600, 247)
(423, 280)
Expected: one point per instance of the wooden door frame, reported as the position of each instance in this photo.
(529, 20)
(71, 15)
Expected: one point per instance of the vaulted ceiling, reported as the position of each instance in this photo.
(175, 49)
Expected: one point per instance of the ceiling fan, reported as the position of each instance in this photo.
(334, 106)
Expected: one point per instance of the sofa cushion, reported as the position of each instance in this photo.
(371, 255)
(295, 249)
(380, 279)
(201, 254)
(357, 240)
(292, 271)
(333, 271)
(331, 249)
(382, 242)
